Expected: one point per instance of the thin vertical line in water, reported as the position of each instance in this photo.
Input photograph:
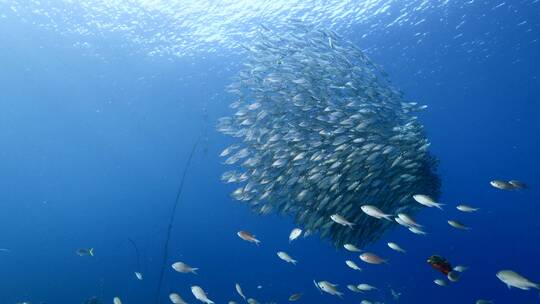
(171, 220)
(137, 253)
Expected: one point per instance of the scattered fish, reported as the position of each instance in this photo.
(460, 268)
(514, 279)
(453, 276)
(439, 263)
(371, 258)
(396, 247)
(116, 300)
(365, 287)
(85, 252)
(353, 288)
(352, 265)
(458, 225)
(295, 297)
(329, 288)
(200, 295)
(375, 212)
(247, 236)
(341, 220)
(286, 257)
(295, 233)
(402, 223)
(417, 231)
(427, 201)
(508, 185)
(351, 248)
(440, 282)
(176, 299)
(184, 268)
(239, 291)
(408, 221)
(466, 208)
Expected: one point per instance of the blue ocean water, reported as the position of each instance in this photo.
(98, 117)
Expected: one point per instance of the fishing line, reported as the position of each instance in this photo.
(137, 253)
(171, 219)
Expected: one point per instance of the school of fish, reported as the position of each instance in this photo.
(319, 133)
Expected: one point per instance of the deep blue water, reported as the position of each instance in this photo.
(93, 148)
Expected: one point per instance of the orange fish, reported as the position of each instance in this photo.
(246, 236)
(371, 258)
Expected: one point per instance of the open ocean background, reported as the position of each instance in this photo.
(98, 117)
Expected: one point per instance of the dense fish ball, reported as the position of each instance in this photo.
(319, 132)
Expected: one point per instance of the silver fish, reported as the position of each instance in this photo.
(317, 127)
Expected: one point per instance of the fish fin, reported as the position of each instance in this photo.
(91, 251)
(387, 217)
(317, 286)
(438, 205)
(339, 294)
(508, 285)
(194, 270)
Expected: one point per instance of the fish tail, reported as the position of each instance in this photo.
(439, 206)
(91, 251)
(294, 262)
(257, 242)
(194, 270)
(339, 294)
(387, 217)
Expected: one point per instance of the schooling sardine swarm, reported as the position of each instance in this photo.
(320, 132)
